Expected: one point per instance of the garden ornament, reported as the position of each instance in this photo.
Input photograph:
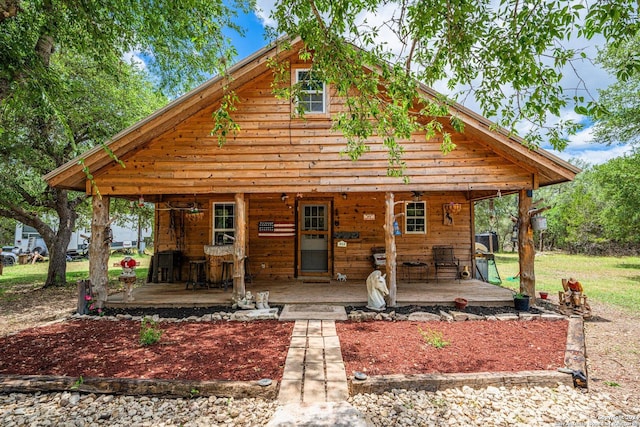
(376, 290)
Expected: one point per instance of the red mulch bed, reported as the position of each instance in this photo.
(253, 350)
(383, 348)
(241, 351)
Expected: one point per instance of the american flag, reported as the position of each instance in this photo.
(276, 229)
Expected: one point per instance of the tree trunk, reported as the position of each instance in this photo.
(57, 273)
(99, 249)
(390, 248)
(239, 248)
(57, 241)
(526, 248)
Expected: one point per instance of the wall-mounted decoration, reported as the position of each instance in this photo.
(448, 211)
(342, 244)
(369, 217)
(276, 229)
(346, 235)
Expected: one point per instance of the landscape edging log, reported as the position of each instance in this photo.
(435, 382)
(131, 386)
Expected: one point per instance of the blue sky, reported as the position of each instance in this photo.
(580, 146)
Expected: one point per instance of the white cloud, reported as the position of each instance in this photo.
(595, 155)
(135, 59)
(263, 12)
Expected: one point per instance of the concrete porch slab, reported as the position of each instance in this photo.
(313, 312)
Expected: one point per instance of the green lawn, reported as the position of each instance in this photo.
(608, 279)
(34, 275)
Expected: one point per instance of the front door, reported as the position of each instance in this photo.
(314, 238)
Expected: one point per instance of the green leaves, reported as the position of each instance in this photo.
(510, 57)
(618, 109)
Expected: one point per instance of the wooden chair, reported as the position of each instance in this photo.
(443, 258)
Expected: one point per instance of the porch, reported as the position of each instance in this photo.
(298, 291)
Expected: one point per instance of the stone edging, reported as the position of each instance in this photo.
(240, 316)
(451, 316)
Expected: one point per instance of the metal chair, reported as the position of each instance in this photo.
(378, 258)
(443, 258)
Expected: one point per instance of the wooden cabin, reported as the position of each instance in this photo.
(280, 196)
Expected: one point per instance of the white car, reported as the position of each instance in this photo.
(9, 257)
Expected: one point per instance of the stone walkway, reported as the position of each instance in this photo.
(314, 371)
(314, 389)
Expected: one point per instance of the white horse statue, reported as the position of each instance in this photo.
(376, 290)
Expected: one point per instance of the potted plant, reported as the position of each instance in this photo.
(521, 302)
(460, 303)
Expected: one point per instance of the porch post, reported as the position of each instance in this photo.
(390, 247)
(526, 249)
(99, 246)
(239, 248)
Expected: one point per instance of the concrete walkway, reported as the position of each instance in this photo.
(314, 371)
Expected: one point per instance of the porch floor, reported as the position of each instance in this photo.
(295, 291)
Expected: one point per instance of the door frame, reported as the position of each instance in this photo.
(328, 202)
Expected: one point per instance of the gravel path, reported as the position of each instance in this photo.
(562, 406)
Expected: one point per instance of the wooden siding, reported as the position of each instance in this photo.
(278, 255)
(274, 152)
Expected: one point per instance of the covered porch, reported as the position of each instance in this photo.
(476, 292)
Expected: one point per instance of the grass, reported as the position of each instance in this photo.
(613, 280)
(33, 275)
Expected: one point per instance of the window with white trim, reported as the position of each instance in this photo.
(224, 229)
(415, 214)
(311, 98)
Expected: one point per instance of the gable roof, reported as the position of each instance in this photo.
(544, 167)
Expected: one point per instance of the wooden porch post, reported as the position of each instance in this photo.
(526, 249)
(239, 248)
(99, 249)
(390, 247)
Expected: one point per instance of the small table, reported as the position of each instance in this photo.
(421, 266)
(197, 274)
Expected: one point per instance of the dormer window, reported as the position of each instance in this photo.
(311, 98)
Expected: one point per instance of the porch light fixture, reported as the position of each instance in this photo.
(396, 228)
(344, 196)
(284, 197)
(417, 195)
(141, 202)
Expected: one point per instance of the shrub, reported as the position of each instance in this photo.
(150, 333)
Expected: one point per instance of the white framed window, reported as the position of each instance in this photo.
(415, 214)
(312, 96)
(224, 227)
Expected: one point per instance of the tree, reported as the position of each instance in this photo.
(52, 110)
(511, 57)
(78, 105)
(618, 182)
(497, 215)
(184, 41)
(621, 100)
